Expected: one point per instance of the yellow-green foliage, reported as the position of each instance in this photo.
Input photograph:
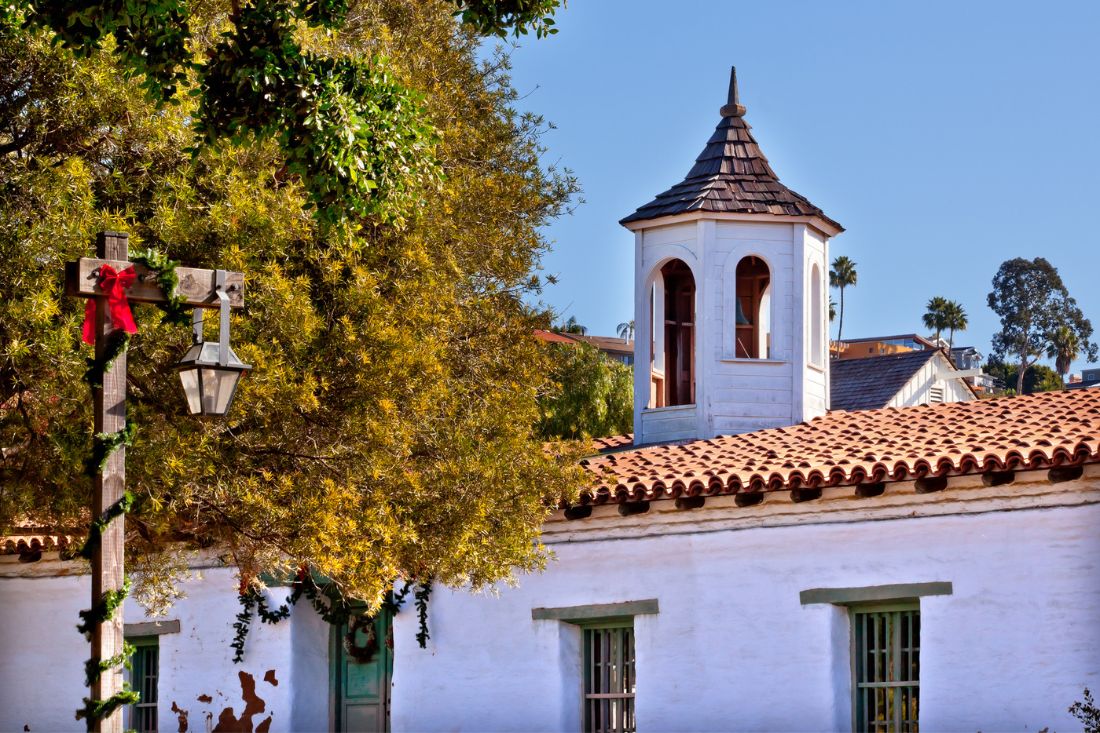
(593, 398)
(388, 428)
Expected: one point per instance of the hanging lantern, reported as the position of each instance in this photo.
(210, 372)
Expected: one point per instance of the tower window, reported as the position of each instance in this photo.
(753, 303)
(679, 322)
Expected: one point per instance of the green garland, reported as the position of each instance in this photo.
(94, 668)
(103, 445)
(117, 343)
(104, 610)
(176, 310)
(329, 602)
(95, 531)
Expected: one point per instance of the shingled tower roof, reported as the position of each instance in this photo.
(730, 175)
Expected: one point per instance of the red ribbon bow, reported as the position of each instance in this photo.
(114, 285)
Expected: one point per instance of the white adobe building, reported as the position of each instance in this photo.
(749, 562)
(752, 563)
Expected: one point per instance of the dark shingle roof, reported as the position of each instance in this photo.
(870, 383)
(730, 175)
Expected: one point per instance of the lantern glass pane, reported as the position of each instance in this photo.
(190, 380)
(218, 386)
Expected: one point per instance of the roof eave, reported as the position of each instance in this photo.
(823, 224)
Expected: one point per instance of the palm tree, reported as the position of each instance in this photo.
(1064, 348)
(571, 326)
(626, 330)
(935, 318)
(954, 319)
(842, 274)
(832, 309)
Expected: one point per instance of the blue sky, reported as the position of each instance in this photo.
(945, 137)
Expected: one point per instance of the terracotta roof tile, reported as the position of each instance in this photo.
(869, 446)
(30, 544)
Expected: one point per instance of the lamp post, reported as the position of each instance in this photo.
(198, 289)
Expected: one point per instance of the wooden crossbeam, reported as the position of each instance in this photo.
(196, 285)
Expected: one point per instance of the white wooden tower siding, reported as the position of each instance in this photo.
(750, 341)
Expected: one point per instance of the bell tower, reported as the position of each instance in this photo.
(730, 297)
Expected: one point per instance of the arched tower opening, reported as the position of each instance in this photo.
(817, 345)
(674, 317)
(753, 303)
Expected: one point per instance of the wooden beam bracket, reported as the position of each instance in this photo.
(197, 286)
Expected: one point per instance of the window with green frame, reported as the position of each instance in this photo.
(886, 668)
(144, 669)
(608, 648)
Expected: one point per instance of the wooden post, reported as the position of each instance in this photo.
(198, 289)
(110, 484)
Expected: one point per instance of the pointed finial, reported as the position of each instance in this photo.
(733, 107)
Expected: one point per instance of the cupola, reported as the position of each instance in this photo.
(731, 309)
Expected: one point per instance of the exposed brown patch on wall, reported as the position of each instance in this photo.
(181, 715)
(229, 723)
(264, 725)
(205, 698)
(269, 677)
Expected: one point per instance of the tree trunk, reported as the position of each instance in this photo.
(840, 327)
(1020, 374)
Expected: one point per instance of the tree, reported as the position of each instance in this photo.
(572, 326)
(1063, 348)
(1039, 378)
(356, 137)
(389, 429)
(1033, 304)
(954, 319)
(593, 395)
(832, 310)
(626, 330)
(935, 316)
(842, 274)
(1087, 712)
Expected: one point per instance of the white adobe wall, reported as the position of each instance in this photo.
(42, 665)
(735, 395)
(733, 649)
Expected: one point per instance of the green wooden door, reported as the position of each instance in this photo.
(361, 687)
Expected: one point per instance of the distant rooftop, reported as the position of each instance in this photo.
(871, 382)
(607, 343)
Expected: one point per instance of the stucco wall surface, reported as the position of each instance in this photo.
(732, 648)
(42, 664)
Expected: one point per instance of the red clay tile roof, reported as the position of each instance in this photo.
(28, 542)
(553, 337)
(730, 175)
(613, 443)
(870, 446)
